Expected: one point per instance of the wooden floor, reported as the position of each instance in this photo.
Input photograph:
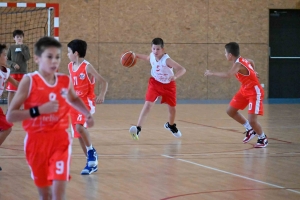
(209, 162)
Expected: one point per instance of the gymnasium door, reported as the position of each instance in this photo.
(284, 52)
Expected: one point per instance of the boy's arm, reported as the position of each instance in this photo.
(143, 57)
(251, 62)
(178, 68)
(25, 51)
(13, 81)
(14, 114)
(9, 62)
(253, 66)
(235, 68)
(77, 103)
(104, 84)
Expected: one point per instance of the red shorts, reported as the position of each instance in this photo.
(4, 125)
(48, 155)
(166, 91)
(254, 101)
(10, 87)
(78, 118)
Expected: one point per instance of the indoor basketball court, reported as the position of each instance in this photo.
(208, 162)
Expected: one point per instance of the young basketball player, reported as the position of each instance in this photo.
(251, 93)
(5, 127)
(83, 75)
(17, 58)
(161, 83)
(47, 97)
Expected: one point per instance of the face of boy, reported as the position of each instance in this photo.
(3, 58)
(72, 56)
(19, 39)
(49, 60)
(228, 55)
(157, 51)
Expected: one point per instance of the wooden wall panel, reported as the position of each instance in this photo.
(195, 33)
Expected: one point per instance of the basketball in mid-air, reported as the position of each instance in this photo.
(128, 59)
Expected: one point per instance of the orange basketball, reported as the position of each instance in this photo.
(128, 59)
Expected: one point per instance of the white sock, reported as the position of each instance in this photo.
(247, 126)
(262, 136)
(89, 148)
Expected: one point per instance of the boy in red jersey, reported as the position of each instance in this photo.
(161, 83)
(46, 96)
(83, 76)
(5, 126)
(251, 93)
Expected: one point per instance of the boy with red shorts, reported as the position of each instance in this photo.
(161, 83)
(46, 96)
(5, 126)
(83, 76)
(17, 57)
(250, 93)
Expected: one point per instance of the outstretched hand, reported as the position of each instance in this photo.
(89, 121)
(100, 99)
(257, 75)
(208, 73)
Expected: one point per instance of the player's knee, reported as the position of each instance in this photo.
(79, 128)
(6, 132)
(230, 112)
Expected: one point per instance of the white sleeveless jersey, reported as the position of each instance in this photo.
(3, 77)
(160, 71)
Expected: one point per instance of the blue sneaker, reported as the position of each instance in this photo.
(92, 158)
(89, 170)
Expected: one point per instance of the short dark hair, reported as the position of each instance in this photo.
(18, 32)
(78, 45)
(158, 41)
(233, 48)
(44, 43)
(2, 47)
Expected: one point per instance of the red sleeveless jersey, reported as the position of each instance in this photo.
(83, 86)
(41, 92)
(250, 80)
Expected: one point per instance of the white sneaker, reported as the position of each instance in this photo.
(134, 132)
(173, 129)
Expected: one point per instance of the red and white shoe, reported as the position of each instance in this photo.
(262, 143)
(249, 135)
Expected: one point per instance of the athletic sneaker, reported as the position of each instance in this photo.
(173, 129)
(89, 170)
(249, 135)
(134, 132)
(261, 143)
(92, 158)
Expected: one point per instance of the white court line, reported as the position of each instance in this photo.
(151, 155)
(225, 172)
(187, 127)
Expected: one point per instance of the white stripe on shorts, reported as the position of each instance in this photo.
(258, 95)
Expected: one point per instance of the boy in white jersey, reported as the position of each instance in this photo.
(5, 126)
(161, 83)
(250, 93)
